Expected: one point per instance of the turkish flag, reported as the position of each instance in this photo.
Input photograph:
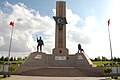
(11, 23)
(108, 22)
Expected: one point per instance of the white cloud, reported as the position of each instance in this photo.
(29, 22)
(75, 34)
(90, 20)
(1, 41)
(72, 18)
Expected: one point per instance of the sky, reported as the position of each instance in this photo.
(87, 25)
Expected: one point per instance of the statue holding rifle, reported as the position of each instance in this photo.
(40, 43)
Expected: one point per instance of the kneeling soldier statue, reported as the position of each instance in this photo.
(80, 50)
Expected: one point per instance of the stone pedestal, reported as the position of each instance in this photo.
(60, 60)
(60, 51)
(36, 59)
(82, 60)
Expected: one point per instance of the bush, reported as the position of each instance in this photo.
(118, 63)
(13, 68)
(114, 77)
(107, 70)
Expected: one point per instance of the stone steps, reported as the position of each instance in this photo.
(65, 72)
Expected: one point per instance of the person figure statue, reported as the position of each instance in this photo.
(80, 48)
(40, 43)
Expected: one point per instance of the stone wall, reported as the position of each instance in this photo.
(50, 60)
(34, 59)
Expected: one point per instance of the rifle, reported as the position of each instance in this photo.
(36, 37)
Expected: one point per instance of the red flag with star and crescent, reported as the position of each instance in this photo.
(11, 23)
(108, 22)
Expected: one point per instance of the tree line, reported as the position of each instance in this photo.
(103, 58)
(12, 58)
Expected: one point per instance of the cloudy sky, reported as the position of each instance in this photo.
(87, 25)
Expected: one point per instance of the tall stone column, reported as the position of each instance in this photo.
(60, 30)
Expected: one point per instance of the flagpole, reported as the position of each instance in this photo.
(110, 42)
(10, 49)
(10, 42)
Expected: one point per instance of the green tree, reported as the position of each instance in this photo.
(2, 58)
(6, 59)
(118, 59)
(24, 58)
(11, 59)
(19, 59)
(14, 59)
(97, 59)
(104, 58)
(115, 59)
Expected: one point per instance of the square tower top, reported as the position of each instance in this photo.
(61, 9)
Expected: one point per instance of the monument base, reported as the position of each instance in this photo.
(51, 60)
(60, 51)
(35, 59)
(42, 60)
(82, 60)
(42, 64)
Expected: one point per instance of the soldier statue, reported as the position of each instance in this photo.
(40, 43)
(80, 50)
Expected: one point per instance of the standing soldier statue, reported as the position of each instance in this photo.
(40, 43)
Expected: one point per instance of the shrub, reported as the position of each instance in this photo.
(13, 68)
(107, 70)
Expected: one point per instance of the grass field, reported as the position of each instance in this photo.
(1, 78)
(99, 63)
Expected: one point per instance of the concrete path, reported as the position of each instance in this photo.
(54, 78)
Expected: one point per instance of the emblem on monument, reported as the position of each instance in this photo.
(60, 21)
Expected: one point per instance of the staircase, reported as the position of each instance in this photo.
(65, 72)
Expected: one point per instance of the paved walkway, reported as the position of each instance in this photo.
(54, 78)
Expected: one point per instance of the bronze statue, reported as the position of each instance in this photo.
(40, 43)
(80, 48)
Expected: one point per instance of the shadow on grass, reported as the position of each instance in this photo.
(1, 78)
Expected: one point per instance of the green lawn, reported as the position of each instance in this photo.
(99, 63)
(1, 78)
(108, 63)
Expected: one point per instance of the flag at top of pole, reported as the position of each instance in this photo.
(11, 23)
(108, 22)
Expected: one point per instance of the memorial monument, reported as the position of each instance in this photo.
(60, 50)
(60, 56)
